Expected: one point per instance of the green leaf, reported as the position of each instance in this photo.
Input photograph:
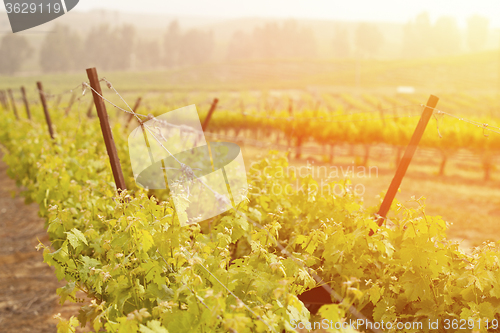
(67, 326)
(147, 241)
(375, 293)
(76, 238)
(466, 314)
(154, 326)
(67, 291)
(331, 312)
(79, 235)
(127, 326)
(415, 287)
(486, 310)
(469, 293)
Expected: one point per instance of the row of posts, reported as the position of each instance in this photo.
(5, 96)
(101, 112)
(8, 102)
(115, 162)
(318, 295)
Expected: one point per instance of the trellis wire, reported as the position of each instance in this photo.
(47, 95)
(203, 183)
(356, 313)
(484, 126)
(352, 309)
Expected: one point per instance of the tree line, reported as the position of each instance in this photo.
(121, 47)
(423, 39)
(420, 39)
(109, 48)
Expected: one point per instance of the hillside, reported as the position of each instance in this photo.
(474, 73)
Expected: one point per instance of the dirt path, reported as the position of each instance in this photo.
(28, 299)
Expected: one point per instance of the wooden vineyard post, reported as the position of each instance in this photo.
(26, 104)
(136, 106)
(70, 105)
(210, 113)
(13, 103)
(406, 160)
(106, 129)
(45, 109)
(3, 100)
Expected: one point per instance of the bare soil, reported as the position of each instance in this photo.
(28, 299)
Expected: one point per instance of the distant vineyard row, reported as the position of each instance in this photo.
(338, 119)
(392, 126)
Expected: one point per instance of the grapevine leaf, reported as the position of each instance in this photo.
(154, 326)
(466, 314)
(375, 293)
(67, 291)
(127, 326)
(415, 287)
(67, 326)
(332, 312)
(79, 235)
(76, 238)
(147, 241)
(486, 309)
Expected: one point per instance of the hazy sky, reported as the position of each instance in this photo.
(373, 10)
